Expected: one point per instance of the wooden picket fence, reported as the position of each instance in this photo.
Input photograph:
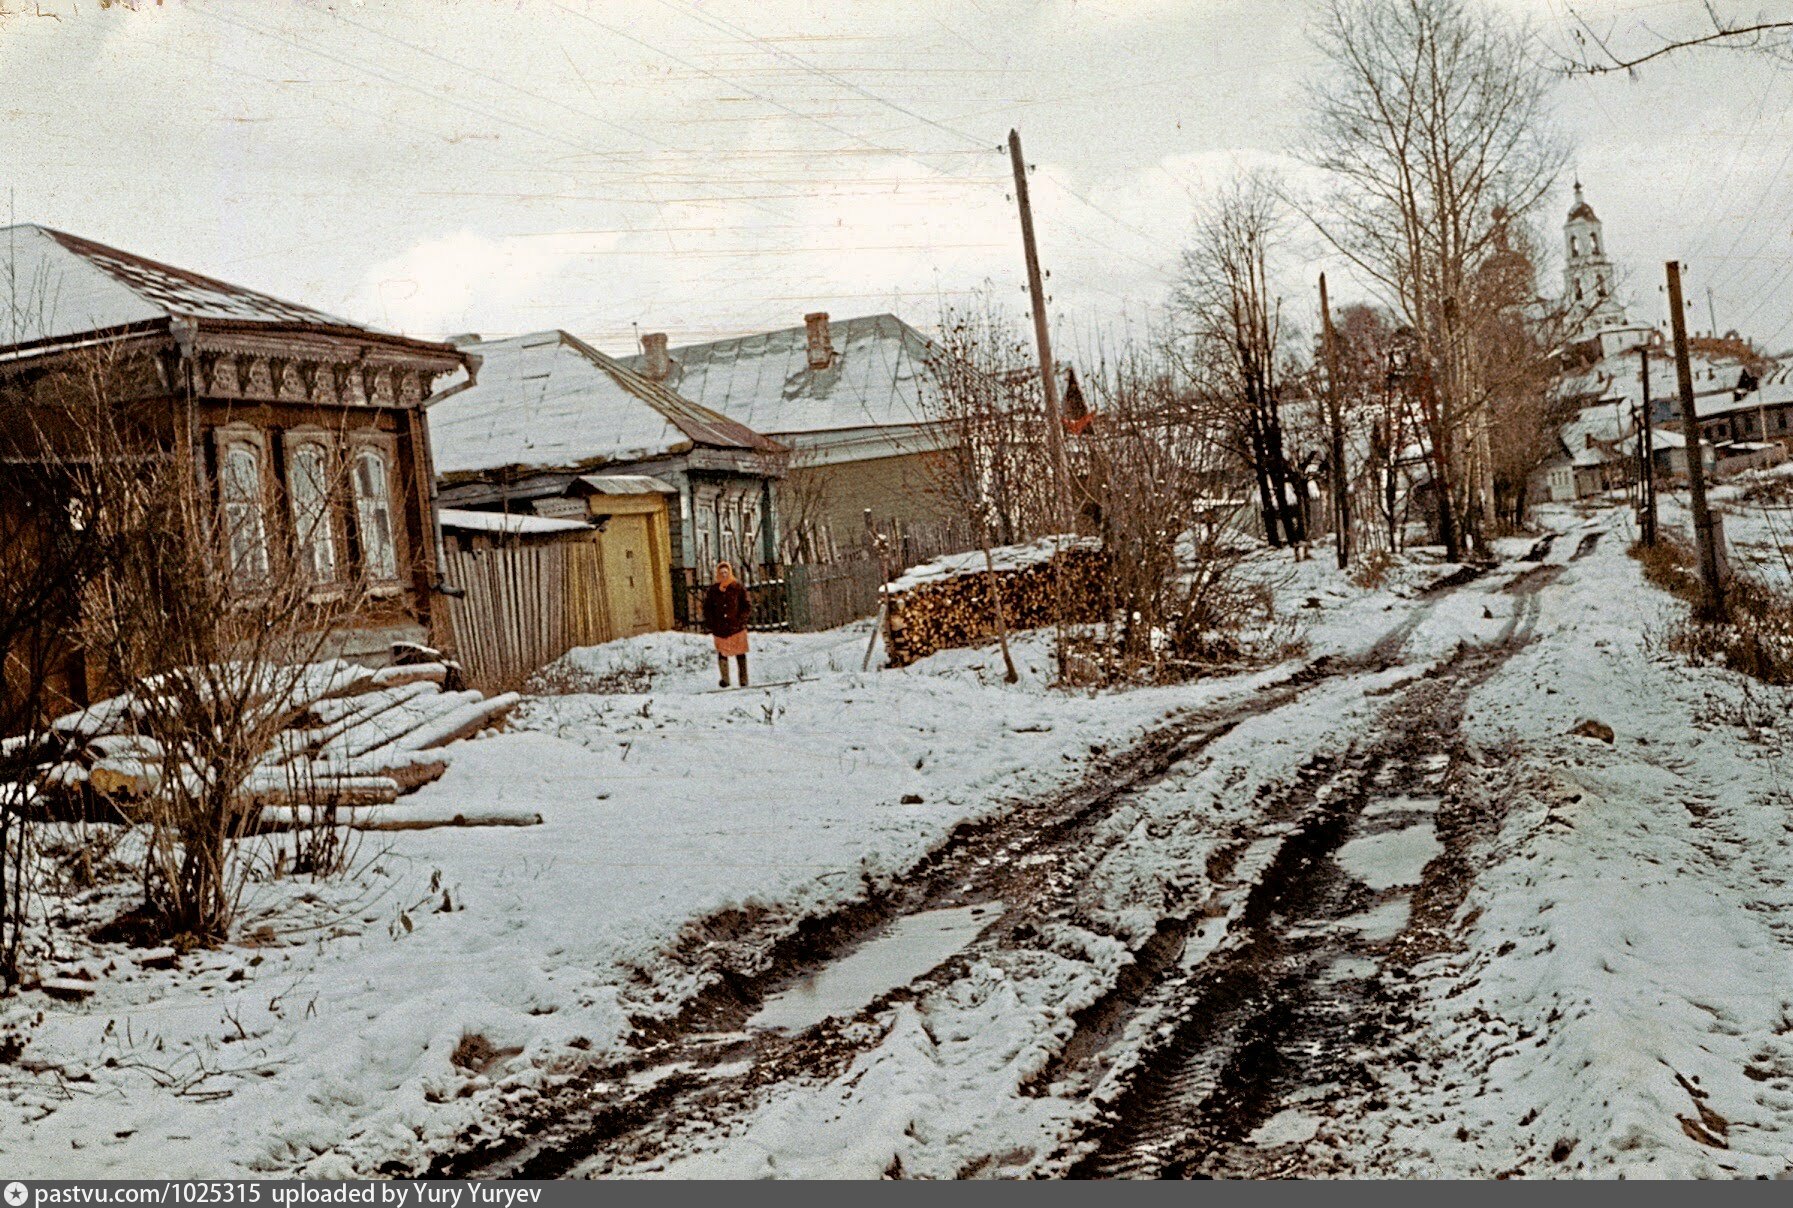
(825, 594)
(524, 606)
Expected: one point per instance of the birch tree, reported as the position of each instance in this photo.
(1431, 122)
(1232, 329)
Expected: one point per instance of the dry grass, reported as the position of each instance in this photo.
(1372, 570)
(1756, 640)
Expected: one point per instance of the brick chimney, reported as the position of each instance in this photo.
(821, 349)
(656, 365)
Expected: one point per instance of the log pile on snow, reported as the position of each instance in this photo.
(948, 603)
(357, 740)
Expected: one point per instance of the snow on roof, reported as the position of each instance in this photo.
(549, 400)
(1600, 424)
(1776, 392)
(69, 286)
(511, 524)
(627, 484)
(879, 377)
(1616, 379)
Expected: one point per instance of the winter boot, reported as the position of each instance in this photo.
(741, 666)
(722, 669)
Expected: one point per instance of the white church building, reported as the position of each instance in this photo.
(1590, 299)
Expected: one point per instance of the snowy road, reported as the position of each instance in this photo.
(1147, 930)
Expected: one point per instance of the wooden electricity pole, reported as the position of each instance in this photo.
(1647, 439)
(1341, 499)
(1036, 290)
(1696, 469)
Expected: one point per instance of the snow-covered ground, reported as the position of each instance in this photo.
(1625, 993)
(1619, 1003)
(1627, 922)
(322, 1041)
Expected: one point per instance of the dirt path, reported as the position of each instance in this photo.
(1292, 1024)
(690, 1076)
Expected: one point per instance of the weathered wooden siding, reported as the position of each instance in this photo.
(524, 606)
(902, 490)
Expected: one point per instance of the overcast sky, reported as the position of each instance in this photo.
(438, 166)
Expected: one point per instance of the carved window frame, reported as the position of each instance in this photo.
(381, 579)
(243, 502)
(300, 443)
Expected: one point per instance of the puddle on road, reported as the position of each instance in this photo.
(1288, 1127)
(1383, 923)
(894, 957)
(1396, 858)
(1401, 805)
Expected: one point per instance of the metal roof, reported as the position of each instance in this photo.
(548, 399)
(510, 524)
(62, 285)
(627, 484)
(881, 376)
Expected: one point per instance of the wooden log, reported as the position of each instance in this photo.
(410, 769)
(379, 818)
(411, 673)
(123, 777)
(460, 723)
(310, 791)
(392, 725)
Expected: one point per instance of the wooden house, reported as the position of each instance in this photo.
(856, 402)
(553, 427)
(294, 420)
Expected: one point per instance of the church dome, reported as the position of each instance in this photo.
(1581, 209)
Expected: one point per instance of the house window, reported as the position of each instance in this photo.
(373, 515)
(308, 487)
(1594, 242)
(240, 496)
(1574, 246)
(1780, 420)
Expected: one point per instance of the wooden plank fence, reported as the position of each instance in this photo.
(826, 594)
(524, 606)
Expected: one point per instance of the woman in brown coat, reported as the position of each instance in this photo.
(726, 611)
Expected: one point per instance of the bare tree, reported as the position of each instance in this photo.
(1600, 50)
(1159, 483)
(1232, 327)
(1432, 122)
(206, 613)
(995, 467)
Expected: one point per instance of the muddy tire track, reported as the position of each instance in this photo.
(1282, 1019)
(700, 1065)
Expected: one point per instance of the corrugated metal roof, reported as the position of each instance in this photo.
(880, 377)
(508, 523)
(548, 400)
(67, 286)
(627, 484)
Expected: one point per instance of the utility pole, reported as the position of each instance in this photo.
(1696, 469)
(1341, 499)
(1711, 313)
(1647, 437)
(1055, 427)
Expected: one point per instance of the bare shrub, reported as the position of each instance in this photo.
(1755, 639)
(1372, 570)
(206, 612)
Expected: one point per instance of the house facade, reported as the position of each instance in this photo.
(305, 430)
(854, 401)
(550, 426)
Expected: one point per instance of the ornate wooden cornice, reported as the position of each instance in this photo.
(323, 373)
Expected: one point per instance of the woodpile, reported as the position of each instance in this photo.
(358, 738)
(949, 603)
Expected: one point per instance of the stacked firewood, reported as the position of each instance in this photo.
(360, 738)
(952, 604)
